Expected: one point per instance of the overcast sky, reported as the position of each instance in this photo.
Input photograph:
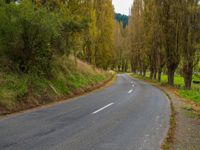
(122, 6)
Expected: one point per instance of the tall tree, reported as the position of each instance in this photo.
(105, 36)
(171, 23)
(136, 35)
(90, 34)
(190, 38)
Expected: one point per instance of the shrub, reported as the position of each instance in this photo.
(26, 36)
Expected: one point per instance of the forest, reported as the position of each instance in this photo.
(41, 39)
(164, 38)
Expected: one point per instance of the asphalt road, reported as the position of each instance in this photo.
(129, 115)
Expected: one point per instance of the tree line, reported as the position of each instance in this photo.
(160, 36)
(34, 32)
(164, 36)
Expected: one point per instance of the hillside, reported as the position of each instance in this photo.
(23, 91)
(37, 41)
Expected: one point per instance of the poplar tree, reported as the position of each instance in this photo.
(136, 35)
(105, 36)
(90, 34)
(190, 38)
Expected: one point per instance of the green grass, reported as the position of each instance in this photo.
(178, 80)
(11, 87)
(193, 94)
(15, 87)
(66, 77)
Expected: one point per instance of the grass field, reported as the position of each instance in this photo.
(193, 94)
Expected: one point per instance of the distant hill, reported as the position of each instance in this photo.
(122, 18)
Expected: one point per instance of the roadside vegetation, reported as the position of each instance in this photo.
(22, 91)
(50, 50)
(161, 43)
(37, 39)
(193, 94)
(164, 38)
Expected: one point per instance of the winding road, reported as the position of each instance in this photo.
(129, 115)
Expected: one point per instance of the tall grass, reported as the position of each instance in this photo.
(66, 76)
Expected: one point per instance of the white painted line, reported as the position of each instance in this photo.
(133, 85)
(103, 108)
(130, 91)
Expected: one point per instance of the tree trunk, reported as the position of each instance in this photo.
(151, 74)
(159, 76)
(140, 72)
(144, 72)
(188, 76)
(171, 76)
(119, 68)
(133, 69)
(126, 67)
(155, 75)
(133, 66)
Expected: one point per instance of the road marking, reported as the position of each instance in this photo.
(133, 85)
(130, 91)
(103, 108)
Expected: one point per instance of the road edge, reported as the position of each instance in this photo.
(170, 134)
(165, 144)
(99, 86)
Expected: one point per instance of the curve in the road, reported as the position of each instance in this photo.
(129, 115)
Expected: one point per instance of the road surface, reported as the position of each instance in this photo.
(129, 115)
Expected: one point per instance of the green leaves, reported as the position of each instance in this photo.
(26, 36)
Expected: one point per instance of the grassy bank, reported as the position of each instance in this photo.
(22, 91)
(193, 94)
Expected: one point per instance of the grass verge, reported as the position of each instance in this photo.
(193, 94)
(23, 91)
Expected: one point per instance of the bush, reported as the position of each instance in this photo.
(26, 36)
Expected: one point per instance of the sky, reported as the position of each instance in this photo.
(122, 6)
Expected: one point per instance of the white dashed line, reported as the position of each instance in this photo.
(130, 91)
(102, 108)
